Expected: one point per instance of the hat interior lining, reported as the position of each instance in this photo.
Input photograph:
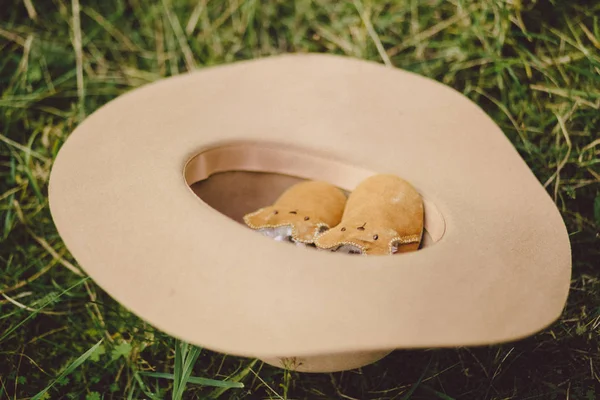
(238, 178)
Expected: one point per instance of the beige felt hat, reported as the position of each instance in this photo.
(149, 193)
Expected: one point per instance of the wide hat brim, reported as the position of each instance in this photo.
(120, 198)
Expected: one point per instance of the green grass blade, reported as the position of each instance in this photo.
(436, 393)
(72, 367)
(234, 379)
(37, 311)
(414, 387)
(188, 366)
(144, 389)
(196, 380)
(180, 351)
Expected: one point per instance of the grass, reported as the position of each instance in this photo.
(533, 66)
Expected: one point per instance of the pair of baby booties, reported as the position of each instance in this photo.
(383, 215)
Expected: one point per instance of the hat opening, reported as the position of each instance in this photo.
(239, 178)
